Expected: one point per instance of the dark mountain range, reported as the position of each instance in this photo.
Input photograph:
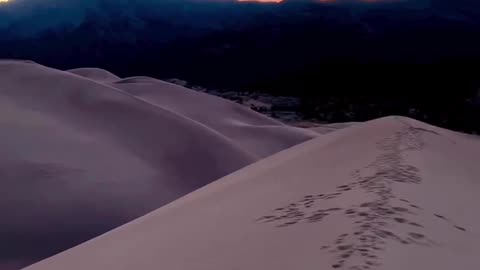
(321, 52)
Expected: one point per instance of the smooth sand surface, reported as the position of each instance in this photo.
(327, 128)
(81, 156)
(390, 194)
(95, 74)
(256, 132)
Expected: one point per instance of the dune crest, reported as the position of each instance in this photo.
(378, 195)
(92, 156)
(136, 79)
(95, 74)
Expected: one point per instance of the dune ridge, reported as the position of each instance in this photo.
(95, 74)
(250, 131)
(81, 156)
(383, 194)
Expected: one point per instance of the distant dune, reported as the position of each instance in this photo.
(85, 151)
(390, 194)
(95, 74)
(324, 128)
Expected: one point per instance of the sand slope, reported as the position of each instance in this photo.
(256, 132)
(327, 128)
(80, 157)
(95, 74)
(385, 194)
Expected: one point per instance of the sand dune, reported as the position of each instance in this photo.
(81, 156)
(136, 79)
(95, 74)
(255, 132)
(385, 194)
(327, 128)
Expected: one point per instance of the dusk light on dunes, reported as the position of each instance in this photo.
(239, 134)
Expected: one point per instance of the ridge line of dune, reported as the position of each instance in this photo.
(93, 156)
(163, 110)
(231, 179)
(157, 81)
(260, 166)
(302, 208)
(274, 123)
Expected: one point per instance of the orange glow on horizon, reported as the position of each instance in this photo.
(262, 1)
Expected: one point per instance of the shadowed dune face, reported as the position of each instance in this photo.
(81, 157)
(371, 196)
